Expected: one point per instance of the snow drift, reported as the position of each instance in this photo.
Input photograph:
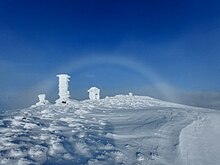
(115, 130)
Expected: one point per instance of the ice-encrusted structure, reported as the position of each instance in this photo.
(42, 100)
(94, 93)
(64, 93)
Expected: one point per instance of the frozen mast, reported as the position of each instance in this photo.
(64, 94)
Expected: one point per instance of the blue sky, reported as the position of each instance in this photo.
(166, 49)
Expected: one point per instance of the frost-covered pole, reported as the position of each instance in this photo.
(64, 94)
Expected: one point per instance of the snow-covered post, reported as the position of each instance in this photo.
(64, 94)
(42, 100)
(94, 93)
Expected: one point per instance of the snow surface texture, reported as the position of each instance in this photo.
(115, 130)
(64, 94)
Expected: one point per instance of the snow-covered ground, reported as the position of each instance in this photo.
(115, 130)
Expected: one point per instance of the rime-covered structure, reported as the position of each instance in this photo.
(42, 100)
(64, 94)
(94, 93)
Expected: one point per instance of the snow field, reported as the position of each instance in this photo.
(200, 141)
(116, 130)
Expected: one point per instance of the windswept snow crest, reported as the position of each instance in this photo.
(124, 129)
(199, 141)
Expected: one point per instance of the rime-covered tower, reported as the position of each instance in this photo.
(64, 94)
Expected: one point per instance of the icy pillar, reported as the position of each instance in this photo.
(64, 94)
(41, 98)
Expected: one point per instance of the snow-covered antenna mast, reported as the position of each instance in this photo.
(64, 94)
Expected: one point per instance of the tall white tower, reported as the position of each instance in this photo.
(64, 94)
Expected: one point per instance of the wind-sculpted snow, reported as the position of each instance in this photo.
(53, 135)
(200, 141)
(114, 130)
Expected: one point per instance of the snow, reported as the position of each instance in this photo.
(200, 141)
(124, 129)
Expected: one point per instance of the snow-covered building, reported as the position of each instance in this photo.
(64, 93)
(94, 93)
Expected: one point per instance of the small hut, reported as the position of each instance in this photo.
(94, 93)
